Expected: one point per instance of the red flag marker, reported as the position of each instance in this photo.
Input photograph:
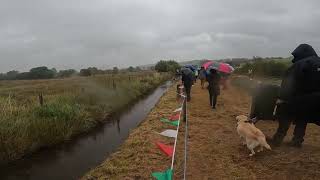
(168, 150)
(175, 117)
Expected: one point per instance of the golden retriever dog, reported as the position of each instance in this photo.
(250, 135)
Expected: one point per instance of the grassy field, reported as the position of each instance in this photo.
(70, 106)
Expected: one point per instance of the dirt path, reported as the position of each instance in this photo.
(215, 151)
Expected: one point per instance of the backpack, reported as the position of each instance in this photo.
(264, 102)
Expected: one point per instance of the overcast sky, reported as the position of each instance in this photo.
(106, 33)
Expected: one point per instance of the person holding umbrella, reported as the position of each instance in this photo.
(213, 70)
(202, 76)
(213, 79)
(187, 81)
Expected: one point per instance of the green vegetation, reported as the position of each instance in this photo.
(66, 73)
(167, 66)
(245, 83)
(70, 106)
(250, 85)
(35, 73)
(265, 67)
(44, 72)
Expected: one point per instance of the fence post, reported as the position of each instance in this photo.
(41, 99)
(114, 84)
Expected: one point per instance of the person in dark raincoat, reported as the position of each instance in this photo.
(187, 81)
(202, 76)
(299, 96)
(214, 87)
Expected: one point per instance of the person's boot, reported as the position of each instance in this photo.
(296, 142)
(276, 140)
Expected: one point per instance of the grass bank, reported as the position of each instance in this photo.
(138, 157)
(70, 106)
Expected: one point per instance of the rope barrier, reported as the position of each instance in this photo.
(185, 143)
(184, 105)
(169, 172)
(175, 141)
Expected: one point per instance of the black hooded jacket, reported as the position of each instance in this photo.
(187, 77)
(300, 86)
(303, 76)
(214, 82)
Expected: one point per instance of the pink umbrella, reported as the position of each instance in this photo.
(207, 64)
(226, 68)
(221, 67)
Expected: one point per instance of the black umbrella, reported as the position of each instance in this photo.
(186, 71)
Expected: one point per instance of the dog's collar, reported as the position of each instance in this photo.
(252, 120)
(248, 121)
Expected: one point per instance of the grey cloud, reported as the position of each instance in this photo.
(107, 33)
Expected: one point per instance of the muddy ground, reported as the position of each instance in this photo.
(215, 151)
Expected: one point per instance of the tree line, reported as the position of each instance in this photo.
(167, 66)
(44, 72)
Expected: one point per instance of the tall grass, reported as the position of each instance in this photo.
(274, 68)
(71, 106)
(250, 85)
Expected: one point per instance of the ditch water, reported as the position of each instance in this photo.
(72, 160)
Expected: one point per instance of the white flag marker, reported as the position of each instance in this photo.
(169, 133)
(177, 110)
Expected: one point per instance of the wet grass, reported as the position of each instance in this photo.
(71, 106)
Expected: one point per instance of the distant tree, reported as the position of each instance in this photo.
(161, 66)
(24, 76)
(93, 70)
(131, 69)
(167, 66)
(85, 72)
(11, 75)
(66, 73)
(115, 70)
(3, 76)
(54, 70)
(172, 66)
(41, 73)
(108, 71)
(138, 69)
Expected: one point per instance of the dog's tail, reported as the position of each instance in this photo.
(264, 143)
